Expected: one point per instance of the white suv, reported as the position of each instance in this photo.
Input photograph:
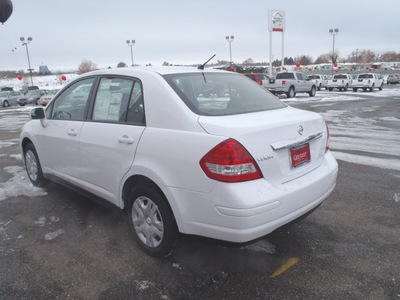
(209, 153)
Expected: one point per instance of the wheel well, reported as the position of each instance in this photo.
(138, 180)
(25, 142)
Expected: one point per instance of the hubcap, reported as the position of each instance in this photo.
(147, 222)
(31, 165)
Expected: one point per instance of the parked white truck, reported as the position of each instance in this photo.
(368, 81)
(339, 81)
(290, 83)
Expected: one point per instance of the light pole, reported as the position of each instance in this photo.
(131, 43)
(29, 39)
(229, 39)
(333, 32)
(356, 57)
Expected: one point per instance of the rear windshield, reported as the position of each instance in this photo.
(285, 76)
(362, 76)
(314, 77)
(219, 94)
(340, 77)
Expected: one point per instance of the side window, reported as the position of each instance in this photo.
(136, 106)
(253, 77)
(71, 104)
(112, 100)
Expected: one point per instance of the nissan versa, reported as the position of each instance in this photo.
(182, 150)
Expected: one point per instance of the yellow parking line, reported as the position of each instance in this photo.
(290, 263)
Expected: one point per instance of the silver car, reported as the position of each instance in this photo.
(9, 98)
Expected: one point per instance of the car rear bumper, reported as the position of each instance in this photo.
(241, 212)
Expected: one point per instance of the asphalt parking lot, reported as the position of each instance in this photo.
(57, 244)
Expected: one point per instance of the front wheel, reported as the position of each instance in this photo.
(372, 88)
(32, 165)
(330, 89)
(152, 221)
(354, 89)
(313, 91)
(6, 104)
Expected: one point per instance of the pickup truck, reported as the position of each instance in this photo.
(319, 80)
(339, 81)
(367, 81)
(290, 83)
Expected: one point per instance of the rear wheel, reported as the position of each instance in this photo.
(152, 221)
(319, 87)
(354, 89)
(346, 87)
(330, 89)
(291, 93)
(32, 165)
(381, 87)
(6, 104)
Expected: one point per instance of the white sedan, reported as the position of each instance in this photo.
(187, 150)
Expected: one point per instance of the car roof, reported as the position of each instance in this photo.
(135, 71)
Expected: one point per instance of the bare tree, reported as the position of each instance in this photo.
(248, 62)
(121, 65)
(165, 63)
(304, 60)
(86, 66)
(390, 56)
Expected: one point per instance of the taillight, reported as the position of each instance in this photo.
(369, 80)
(327, 138)
(229, 161)
(342, 81)
(283, 82)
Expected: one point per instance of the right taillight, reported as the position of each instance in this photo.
(229, 161)
(283, 82)
(327, 138)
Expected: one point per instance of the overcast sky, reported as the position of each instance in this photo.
(189, 32)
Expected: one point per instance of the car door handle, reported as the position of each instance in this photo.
(72, 132)
(125, 140)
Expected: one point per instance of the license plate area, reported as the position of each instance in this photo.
(300, 155)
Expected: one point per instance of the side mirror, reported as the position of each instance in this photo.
(37, 113)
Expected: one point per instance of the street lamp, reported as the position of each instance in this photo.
(333, 32)
(29, 39)
(356, 57)
(131, 43)
(229, 39)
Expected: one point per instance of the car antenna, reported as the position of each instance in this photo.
(201, 67)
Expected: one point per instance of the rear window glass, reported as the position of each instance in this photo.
(362, 76)
(218, 94)
(285, 76)
(314, 76)
(340, 77)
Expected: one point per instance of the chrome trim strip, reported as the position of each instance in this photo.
(295, 142)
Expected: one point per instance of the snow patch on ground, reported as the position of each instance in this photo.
(52, 235)
(18, 185)
(262, 246)
(392, 164)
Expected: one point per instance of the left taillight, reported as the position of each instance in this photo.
(229, 161)
(327, 138)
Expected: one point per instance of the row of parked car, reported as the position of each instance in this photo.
(27, 95)
(290, 83)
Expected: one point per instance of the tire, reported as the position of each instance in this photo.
(364, 89)
(346, 88)
(313, 91)
(381, 87)
(371, 89)
(330, 89)
(32, 166)
(355, 89)
(319, 87)
(152, 221)
(5, 103)
(291, 93)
